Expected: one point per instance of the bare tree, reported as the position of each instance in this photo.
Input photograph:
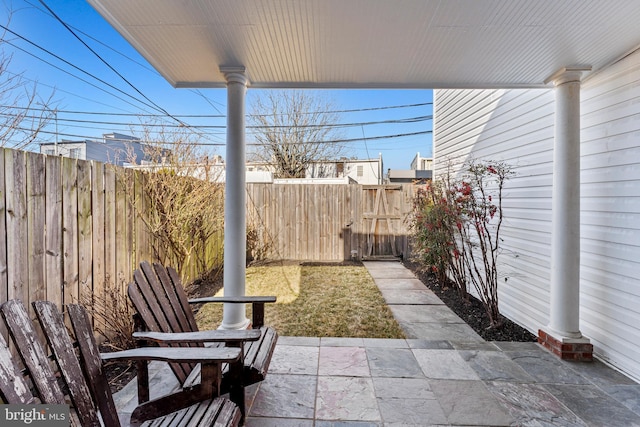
(294, 129)
(23, 112)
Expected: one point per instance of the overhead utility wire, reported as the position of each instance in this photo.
(138, 63)
(64, 24)
(73, 75)
(105, 45)
(57, 89)
(157, 107)
(407, 120)
(355, 110)
(204, 116)
(336, 141)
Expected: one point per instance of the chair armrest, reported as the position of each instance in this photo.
(200, 336)
(211, 359)
(177, 354)
(257, 302)
(234, 300)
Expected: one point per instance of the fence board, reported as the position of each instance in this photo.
(36, 225)
(53, 237)
(111, 275)
(16, 209)
(142, 241)
(97, 228)
(3, 232)
(70, 230)
(122, 229)
(85, 230)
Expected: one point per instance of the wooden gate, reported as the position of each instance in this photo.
(329, 222)
(383, 220)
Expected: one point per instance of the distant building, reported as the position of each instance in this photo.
(360, 171)
(422, 163)
(347, 171)
(115, 148)
(421, 171)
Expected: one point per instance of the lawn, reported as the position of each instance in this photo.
(316, 301)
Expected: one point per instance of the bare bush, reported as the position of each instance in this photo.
(112, 314)
(181, 202)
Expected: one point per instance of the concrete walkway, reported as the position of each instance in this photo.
(442, 374)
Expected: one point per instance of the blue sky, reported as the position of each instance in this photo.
(39, 36)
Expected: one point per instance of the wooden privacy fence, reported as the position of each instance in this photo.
(329, 222)
(68, 227)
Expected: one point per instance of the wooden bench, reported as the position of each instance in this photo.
(163, 308)
(79, 380)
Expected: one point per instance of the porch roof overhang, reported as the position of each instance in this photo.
(375, 43)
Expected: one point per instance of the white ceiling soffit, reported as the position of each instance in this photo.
(375, 43)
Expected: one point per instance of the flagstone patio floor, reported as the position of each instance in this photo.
(443, 374)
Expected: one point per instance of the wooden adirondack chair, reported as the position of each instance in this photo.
(163, 310)
(80, 381)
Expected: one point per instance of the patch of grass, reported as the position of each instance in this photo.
(316, 301)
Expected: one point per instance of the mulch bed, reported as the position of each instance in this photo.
(472, 311)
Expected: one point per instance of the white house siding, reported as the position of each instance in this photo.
(517, 126)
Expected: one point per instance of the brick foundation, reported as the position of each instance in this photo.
(577, 350)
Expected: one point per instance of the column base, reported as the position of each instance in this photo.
(572, 349)
(244, 324)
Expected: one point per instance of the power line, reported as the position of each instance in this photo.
(56, 89)
(64, 24)
(205, 116)
(407, 120)
(335, 141)
(73, 75)
(127, 57)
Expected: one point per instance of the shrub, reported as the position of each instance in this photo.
(456, 227)
(112, 314)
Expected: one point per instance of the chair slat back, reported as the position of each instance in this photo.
(31, 351)
(61, 344)
(13, 386)
(184, 310)
(159, 298)
(92, 363)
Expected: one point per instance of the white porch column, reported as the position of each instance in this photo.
(564, 319)
(234, 316)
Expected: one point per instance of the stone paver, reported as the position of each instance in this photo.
(628, 395)
(495, 366)
(442, 374)
(344, 361)
(410, 297)
(441, 331)
(341, 398)
(400, 284)
(421, 314)
(396, 363)
(444, 364)
(470, 403)
(285, 396)
(532, 404)
(292, 359)
(546, 368)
